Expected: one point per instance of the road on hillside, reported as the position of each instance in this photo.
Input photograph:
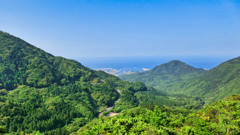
(109, 108)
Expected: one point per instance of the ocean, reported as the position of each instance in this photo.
(123, 64)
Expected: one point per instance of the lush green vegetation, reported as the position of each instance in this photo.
(149, 99)
(56, 109)
(213, 85)
(178, 78)
(24, 64)
(222, 117)
(217, 83)
(165, 75)
(41, 93)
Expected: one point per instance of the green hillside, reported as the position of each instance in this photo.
(217, 83)
(179, 78)
(220, 118)
(165, 75)
(53, 95)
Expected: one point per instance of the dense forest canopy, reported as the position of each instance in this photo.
(220, 118)
(53, 95)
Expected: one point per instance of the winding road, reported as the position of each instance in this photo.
(109, 108)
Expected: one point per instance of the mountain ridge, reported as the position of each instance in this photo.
(211, 85)
(219, 82)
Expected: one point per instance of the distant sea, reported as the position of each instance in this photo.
(137, 63)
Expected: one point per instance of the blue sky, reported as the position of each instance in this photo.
(126, 28)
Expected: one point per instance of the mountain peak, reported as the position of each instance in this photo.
(164, 74)
(176, 61)
(174, 67)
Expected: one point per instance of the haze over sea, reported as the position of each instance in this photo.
(149, 62)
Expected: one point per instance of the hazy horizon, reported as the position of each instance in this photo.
(137, 63)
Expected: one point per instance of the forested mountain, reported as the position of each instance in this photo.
(178, 78)
(165, 75)
(219, 118)
(217, 83)
(22, 63)
(53, 95)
